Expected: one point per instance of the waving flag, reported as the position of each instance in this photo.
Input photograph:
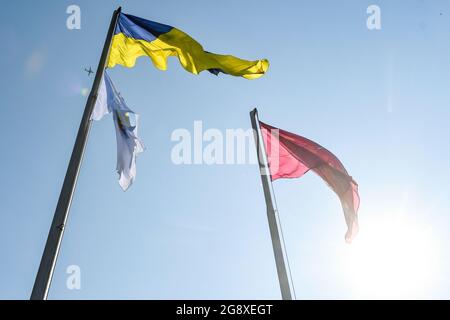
(129, 146)
(135, 37)
(291, 156)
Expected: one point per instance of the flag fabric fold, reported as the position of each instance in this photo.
(135, 37)
(291, 156)
(126, 121)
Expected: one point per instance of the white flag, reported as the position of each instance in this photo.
(109, 100)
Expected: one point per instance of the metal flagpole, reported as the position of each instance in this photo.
(279, 250)
(52, 247)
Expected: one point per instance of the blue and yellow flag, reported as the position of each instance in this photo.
(135, 37)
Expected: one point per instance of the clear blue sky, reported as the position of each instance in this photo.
(380, 100)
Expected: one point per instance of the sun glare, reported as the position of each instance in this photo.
(392, 258)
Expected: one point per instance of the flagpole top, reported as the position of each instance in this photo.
(119, 10)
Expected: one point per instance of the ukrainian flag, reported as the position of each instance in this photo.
(135, 37)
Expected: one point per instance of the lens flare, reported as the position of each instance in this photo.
(84, 92)
(393, 258)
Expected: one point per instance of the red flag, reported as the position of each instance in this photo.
(291, 156)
